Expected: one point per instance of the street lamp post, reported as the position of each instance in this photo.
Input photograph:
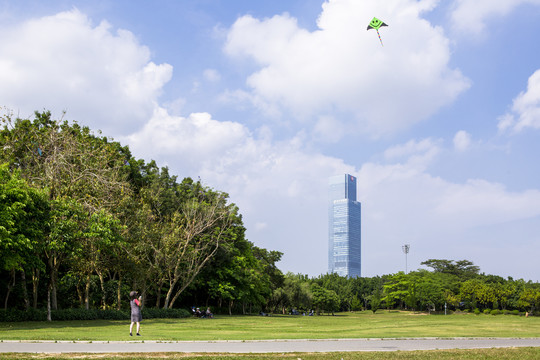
(406, 248)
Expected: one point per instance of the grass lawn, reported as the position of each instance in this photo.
(383, 324)
(477, 354)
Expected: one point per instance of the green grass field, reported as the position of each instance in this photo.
(479, 354)
(383, 324)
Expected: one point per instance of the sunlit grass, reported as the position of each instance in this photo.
(476, 354)
(383, 324)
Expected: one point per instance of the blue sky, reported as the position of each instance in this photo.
(266, 100)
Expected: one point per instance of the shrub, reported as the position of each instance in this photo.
(496, 312)
(74, 314)
(511, 312)
(487, 311)
(154, 313)
(14, 315)
(114, 314)
(477, 311)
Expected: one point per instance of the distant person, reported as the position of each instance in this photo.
(209, 313)
(136, 315)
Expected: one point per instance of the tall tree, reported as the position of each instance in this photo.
(79, 169)
(324, 299)
(23, 219)
(464, 269)
(196, 233)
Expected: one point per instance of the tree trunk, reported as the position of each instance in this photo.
(158, 299)
(180, 291)
(35, 284)
(119, 292)
(143, 296)
(87, 293)
(10, 286)
(168, 303)
(49, 318)
(230, 306)
(54, 276)
(80, 294)
(102, 285)
(26, 300)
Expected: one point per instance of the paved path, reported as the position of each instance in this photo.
(268, 346)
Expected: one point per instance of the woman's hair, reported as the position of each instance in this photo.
(133, 295)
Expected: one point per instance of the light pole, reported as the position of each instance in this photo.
(406, 248)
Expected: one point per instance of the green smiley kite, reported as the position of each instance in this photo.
(376, 24)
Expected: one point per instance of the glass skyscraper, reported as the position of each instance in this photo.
(344, 227)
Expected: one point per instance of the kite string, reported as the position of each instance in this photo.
(379, 36)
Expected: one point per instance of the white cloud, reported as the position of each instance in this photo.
(212, 75)
(281, 189)
(525, 109)
(403, 203)
(277, 184)
(506, 121)
(426, 148)
(242, 97)
(479, 203)
(342, 68)
(260, 226)
(470, 16)
(228, 153)
(190, 142)
(462, 140)
(328, 129)
(102, 78)
(409, 199)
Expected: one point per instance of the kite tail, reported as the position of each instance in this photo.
(379, 37)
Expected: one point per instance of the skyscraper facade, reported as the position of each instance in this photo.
(344, 227)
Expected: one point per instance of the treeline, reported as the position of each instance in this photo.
(450, 285)
(82, 223)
